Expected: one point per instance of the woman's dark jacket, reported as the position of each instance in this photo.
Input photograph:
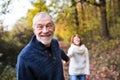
(36, 62)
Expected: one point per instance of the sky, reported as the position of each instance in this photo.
(18, 9)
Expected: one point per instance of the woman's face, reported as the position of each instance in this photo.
(76, 40)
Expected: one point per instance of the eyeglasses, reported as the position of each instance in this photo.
(48, 26)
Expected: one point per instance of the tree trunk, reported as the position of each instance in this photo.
(118, 7)
(76, 16)
(105, 31)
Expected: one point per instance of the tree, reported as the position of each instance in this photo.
(4, 6)
(104, 19)
(102, 5)
(38, 6)
(1, 28)
(75, 15)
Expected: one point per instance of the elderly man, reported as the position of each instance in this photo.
(40, 59)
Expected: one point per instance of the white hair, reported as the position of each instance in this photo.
(42, 15)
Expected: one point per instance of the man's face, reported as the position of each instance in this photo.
(44, 30)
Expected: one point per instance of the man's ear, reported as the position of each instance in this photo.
(33, 30)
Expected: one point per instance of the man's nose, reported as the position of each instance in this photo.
(44, 30)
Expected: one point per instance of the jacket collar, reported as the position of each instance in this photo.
(38, 45)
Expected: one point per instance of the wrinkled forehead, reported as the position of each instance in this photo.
(42, 19)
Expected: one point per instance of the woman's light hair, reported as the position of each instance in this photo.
(72, 38)
(41, 15)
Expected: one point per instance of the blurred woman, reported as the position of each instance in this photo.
(79, 59)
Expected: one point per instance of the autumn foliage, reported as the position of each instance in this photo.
(104, 60)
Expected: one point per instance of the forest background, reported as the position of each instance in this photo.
(97, 21)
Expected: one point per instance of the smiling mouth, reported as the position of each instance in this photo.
(48, 35)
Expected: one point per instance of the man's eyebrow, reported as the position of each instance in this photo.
(38, 24)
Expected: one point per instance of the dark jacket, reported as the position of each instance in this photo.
(36, 62)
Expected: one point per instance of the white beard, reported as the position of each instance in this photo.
(45, 42)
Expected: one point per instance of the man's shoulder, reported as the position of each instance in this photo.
(55, 44)
(26, 51)
(54, 41)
